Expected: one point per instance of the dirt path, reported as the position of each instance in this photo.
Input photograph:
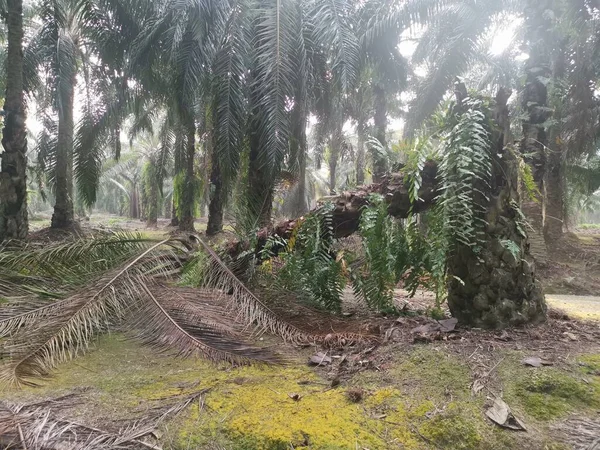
(580, 306)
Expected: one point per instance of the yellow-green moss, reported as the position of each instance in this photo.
(453, 428)
(549, 393)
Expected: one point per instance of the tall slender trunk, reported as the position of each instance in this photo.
(555, 192)
(301, 205)
(13, 175)
(555, 172)
(535, 103)
(215, 207)
(152, 213)
(360, 154)
(174, 218)
(187, 204)
(380, 119)
(298, 147)
(134, 202)
(333, 162)
(261, 188)
(63, 208)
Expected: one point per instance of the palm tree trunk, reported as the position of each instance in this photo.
(298, 147)
(360, 154)
(535, 103)
(555, 180)
(152, 213)
(215, 207)
(188, 201)
(380, 119)
(174, 218)
(497, 287)
(13, 176)
(333, 161)
(555, 174)
(260, 188)
(134, 202)
(63, 208)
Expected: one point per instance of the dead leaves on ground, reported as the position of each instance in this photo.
(42, 425)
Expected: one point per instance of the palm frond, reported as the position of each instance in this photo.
(41, 334)
(249, 308)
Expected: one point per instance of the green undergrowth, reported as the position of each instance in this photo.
(419, 398)
(548, 393)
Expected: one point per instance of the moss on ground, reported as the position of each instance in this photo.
(549, 393)
(421, 400)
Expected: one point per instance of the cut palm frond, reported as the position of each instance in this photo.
(65, 328)
(36, 426)
(42, 333)
(249, 308)
(173, 330)
(72, 263)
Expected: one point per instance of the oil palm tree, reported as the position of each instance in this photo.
(13, 178)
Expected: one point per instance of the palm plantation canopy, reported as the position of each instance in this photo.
(249, 112)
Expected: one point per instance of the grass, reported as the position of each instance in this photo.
(589, 226)
(418, 399)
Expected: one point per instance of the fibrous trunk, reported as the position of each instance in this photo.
(380, 119)
(360, 154)
(534, 102)
(63, 208)
(174, 218)
(260, 186)
(152, 219)
(188, 200)
(495, 286)
(13, 178)
(215, 207)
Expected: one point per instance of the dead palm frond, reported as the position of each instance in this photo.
(36, 426)
(248, 307)
(41, 334)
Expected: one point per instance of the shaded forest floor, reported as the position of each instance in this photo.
(412, 387)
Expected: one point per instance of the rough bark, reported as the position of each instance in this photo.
(556, 160)
(260, 188)
(332, 163)
(348, 206)
(13, 175)
(535, 104)
(152, 213)
(554, 183)
(63, 215)
(360, 154)
(380, 120)
(174, 218)
(215, 207)
(188, 200)
(496, 287)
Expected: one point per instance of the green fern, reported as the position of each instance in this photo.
(466, 172)
(386, 256)
(310, 268)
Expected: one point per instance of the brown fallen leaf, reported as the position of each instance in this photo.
(320, 359)
(536, 361)
(501, 415)
(447, 325)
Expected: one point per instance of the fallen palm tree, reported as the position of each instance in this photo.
(475, 184)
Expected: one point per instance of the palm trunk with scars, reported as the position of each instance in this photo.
(494, 288)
